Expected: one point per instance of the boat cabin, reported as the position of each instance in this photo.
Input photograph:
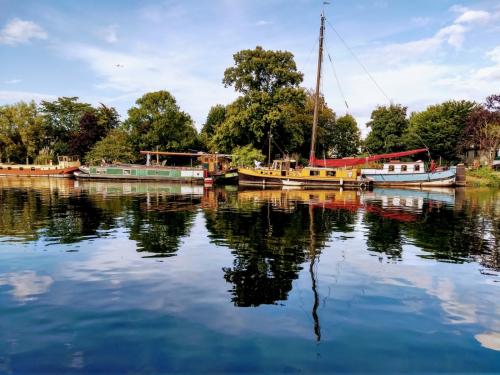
(398, 167)
(284, 164)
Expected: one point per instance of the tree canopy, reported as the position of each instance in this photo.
(272, 102)
(345, 137)
(387, 126)
(116, 146)
(482, 129)
(262, 70)
(157, 121)
(215, 118)
(439, 128)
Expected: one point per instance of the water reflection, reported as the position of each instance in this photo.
(268, 230)
(336, 279)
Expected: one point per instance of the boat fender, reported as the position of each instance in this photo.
(341, 182)
(362, 186)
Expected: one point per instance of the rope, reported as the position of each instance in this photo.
(337, 79)
(359, 61)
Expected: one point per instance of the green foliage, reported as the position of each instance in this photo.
(62, 119)
(272, 102)
(116, 146)
(245, 156)
(157, 121)
(388, 125)
(325, 131)
(94, 125)
(262, 70)
(483, 176)
(345, 137)
(482, 130)
(21, 131)
(215, 118)
(440, 128)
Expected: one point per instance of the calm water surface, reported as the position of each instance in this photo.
(153, 278)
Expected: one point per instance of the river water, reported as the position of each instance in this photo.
(155, 278)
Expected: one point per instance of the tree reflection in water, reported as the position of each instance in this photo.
(158, 228)
(271, 235)
(467, 231)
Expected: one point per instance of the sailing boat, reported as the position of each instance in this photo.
(285, 172)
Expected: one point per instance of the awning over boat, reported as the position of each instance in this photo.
(349, 162)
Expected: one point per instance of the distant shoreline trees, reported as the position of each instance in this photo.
(272, 108)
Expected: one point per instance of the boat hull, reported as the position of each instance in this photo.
(34, 171)
(254, 179)
(142, 173)
(438, 179)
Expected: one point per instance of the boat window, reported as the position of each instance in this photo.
(313, 173)
(404, 168)
(391, 168)
(32, 168)
(417, 167)
(1, 167)
(331, 173)
(9, 168)
(21, 168)
(126, 172)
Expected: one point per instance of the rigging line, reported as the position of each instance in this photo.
(337, 79)
(308, 61)
(279, 148)
(359, 61)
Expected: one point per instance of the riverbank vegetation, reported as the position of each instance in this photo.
(272, 112)
(483, 177)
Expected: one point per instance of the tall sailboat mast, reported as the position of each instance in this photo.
(316, 94)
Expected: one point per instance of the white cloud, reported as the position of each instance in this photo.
(490, 73)
(18, 31)
(452, 35)
(472, 16)
(8, 97)
(109, 34)
(12, 81)
(135, 73)
(263, 23)
(421, 21)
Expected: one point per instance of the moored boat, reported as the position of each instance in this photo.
(397, 173)
(285, 173)
(142, 172)
(64, 169)
(208, 169)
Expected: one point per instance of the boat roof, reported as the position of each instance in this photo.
(173, 153)
(404, 162)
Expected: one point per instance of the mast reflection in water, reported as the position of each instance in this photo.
(156, 277)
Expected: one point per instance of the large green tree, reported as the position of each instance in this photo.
(157, 122)
(345, 137)
(115, 147)
(61, 121)
(440, 128)
(94, 125)
(21, 132)
(387, 126)
(482, 130)
(215, 118)
(262, 70)
(271, 103)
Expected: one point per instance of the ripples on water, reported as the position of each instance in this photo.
(112, 278)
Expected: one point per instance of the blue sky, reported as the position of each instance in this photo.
(420, 52)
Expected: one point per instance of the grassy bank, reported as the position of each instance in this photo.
(483, 177)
